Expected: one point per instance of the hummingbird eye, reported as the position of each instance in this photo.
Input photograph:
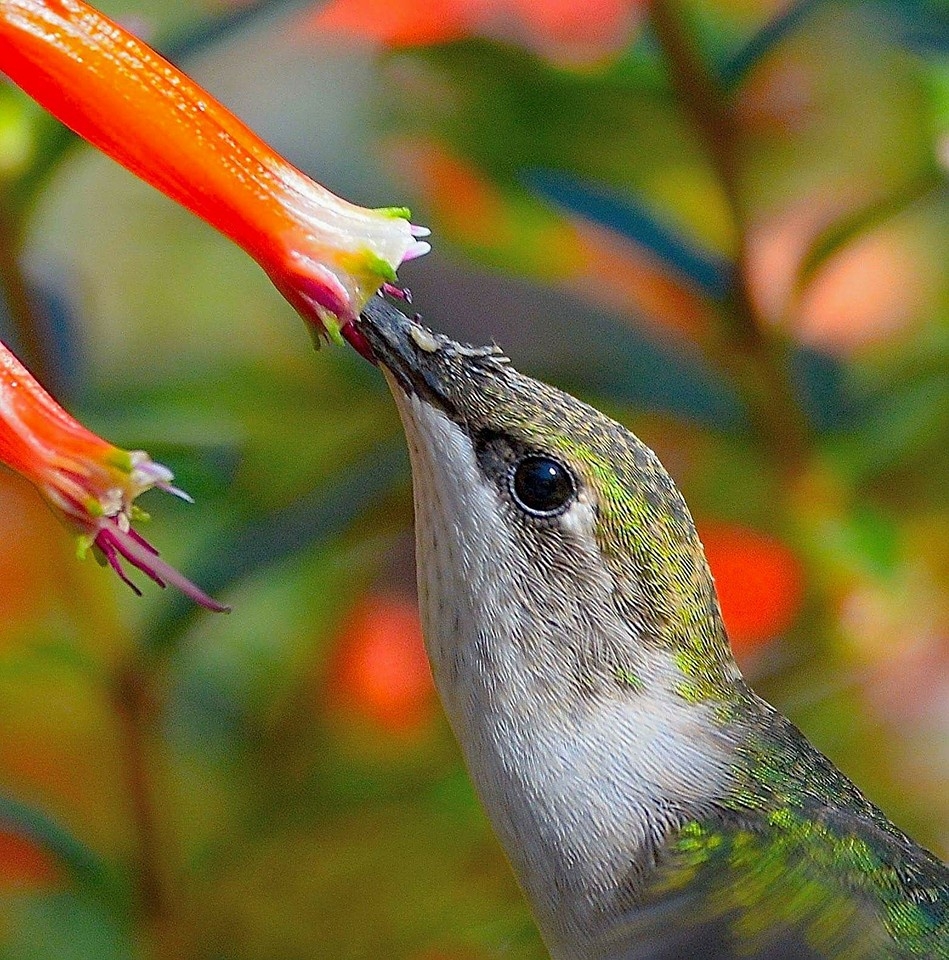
(542, 486)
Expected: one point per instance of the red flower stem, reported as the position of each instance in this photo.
(142, 111)
(324, 254)
(46, 47)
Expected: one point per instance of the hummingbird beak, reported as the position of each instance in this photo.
(423, 363)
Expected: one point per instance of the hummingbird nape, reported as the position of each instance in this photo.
(652, 806)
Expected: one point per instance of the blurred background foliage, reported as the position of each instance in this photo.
(723, 221)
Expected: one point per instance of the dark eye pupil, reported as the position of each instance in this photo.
(542, 485)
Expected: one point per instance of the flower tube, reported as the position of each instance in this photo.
(324, 254)
(89, 482)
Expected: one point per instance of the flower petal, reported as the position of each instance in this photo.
(117, 544)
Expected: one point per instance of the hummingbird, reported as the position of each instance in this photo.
(651, 805)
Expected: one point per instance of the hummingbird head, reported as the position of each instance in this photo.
(579, 651)
(541, 516)
(570, 620)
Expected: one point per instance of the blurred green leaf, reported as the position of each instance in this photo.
(84, 865)
(266, 539)
(16, 140)
(907, 429)
(632, 219)
(63, 926)
(507, 112)
(762, 43)
(422, 883)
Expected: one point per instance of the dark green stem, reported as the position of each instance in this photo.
(136, 709)
(17, 299)
(756, 362)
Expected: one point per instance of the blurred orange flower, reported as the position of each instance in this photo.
(875, 288)
(325, 255)
(758, 579)
(24, 864)
(88, 481)
(564, 29)
(33, 555)
(381, 669)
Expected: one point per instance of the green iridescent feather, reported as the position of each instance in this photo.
(797, 864)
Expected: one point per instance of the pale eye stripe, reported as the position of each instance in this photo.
(580, 518)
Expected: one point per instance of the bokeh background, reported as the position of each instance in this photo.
(723, 221)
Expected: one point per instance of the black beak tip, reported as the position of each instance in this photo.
(381, 314)
(384, 332)
(384, 327)
(421, 361)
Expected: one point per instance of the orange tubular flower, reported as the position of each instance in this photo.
(90, 482)
(325, 255)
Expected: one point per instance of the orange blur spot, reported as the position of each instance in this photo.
(577, 33)
(874, 289)
(393, 23)
(759, 581)
(466, 203)
(381, 668)
(33, 552)
(24, 864)
(569, 22)
(622, 276)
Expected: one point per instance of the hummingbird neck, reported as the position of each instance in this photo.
(582, 786)
(589, 733)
